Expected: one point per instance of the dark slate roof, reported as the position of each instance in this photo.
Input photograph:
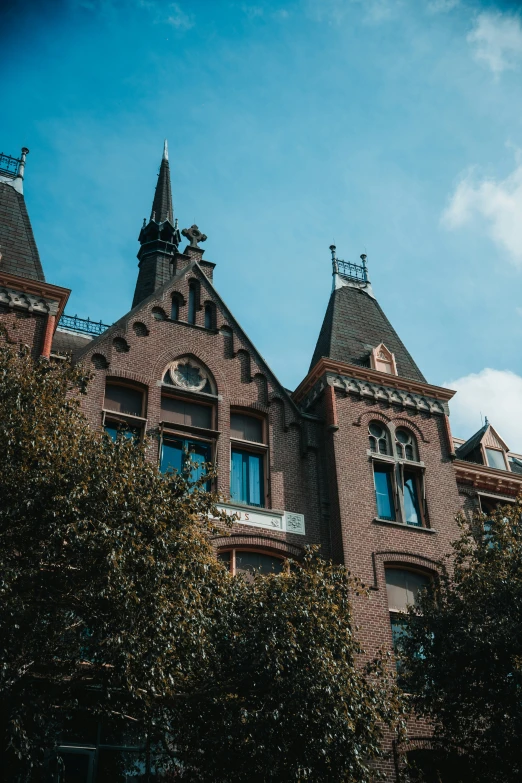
(17, 246)
(471, 444)
(354, 323)
(65, 343)
(162, 204)
(515, 464)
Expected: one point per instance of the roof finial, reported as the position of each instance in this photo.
(165, 150)
(363, 259)
(486, 422)
(21, 166)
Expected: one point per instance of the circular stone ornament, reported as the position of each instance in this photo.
(188, 374)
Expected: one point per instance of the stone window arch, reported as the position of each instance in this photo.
(188, 373)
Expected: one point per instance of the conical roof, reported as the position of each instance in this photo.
(353, 325)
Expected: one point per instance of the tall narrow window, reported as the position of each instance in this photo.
(403, 589)
(247, 461)
(192, 303)
(209, 316)
(383, 478)
(412, 511)
(174, 313)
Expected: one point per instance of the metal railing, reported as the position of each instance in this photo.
(9, 165)
(352, 271)
(82, 324)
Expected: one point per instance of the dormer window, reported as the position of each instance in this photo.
(495, 458)
(383, 360)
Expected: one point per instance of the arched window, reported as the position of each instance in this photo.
(379, 438)
(174, 312)
(249, 563)
(399, 486)
(209, 316)
(192, 303)
(406, 445)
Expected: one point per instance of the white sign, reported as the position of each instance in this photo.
(285, 521)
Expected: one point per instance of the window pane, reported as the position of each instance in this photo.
(246, 478)
(171, 455)
(255, 479)
(383, 492)
(123, 399)
(254, 562)
(246, 427)
(113, 429)
(198, 453)
(224, 558)
(184, 412)
(403, 587)
(174, 313)
(411, 499)
(496, 459)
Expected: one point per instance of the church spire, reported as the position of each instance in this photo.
(162, 205)
(159, 238)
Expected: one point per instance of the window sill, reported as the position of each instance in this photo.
(379, 521)
(261, 509)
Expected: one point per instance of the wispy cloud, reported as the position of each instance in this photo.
(492, 393)
(442, 6)
(336, 11)
(496, 39)
(498, 204)
(174, 15)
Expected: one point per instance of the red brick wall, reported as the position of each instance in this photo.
(24, 327)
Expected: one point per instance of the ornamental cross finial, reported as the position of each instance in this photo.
(194, 235)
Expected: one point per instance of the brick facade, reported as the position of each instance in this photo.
(318, 461)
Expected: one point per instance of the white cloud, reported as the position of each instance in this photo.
(496, 394)
(497, 41)
(498, 204)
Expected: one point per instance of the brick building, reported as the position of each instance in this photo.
(359, 459)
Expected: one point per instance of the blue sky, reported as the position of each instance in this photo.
(392, 127)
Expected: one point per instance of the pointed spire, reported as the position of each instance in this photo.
(162, 205)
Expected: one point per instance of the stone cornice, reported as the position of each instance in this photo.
(484, 477)
(372, 384)
(32, 295)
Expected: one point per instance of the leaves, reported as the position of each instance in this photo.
(461, 654)
(113, 607)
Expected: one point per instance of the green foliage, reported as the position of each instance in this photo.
(290, 698)
(462, 654)
(114, 607)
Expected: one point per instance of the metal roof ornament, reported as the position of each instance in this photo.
(194, 235)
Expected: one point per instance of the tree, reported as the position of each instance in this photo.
(107, 577)
(115, 611)
(462, 650)
(290, 698)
